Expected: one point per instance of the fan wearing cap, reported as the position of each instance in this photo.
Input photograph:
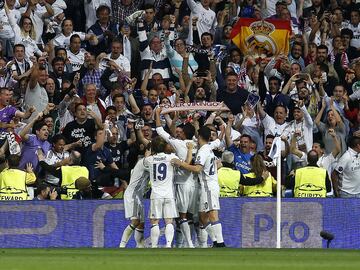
(88, 191)
(230, 179)
(279, 6)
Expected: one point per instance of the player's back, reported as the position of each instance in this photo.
(161, 175)
(207, 159)
(138, 180)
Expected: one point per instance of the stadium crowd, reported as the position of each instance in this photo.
(83, 84)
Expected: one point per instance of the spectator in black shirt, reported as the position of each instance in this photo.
(82, 128)
(233, 96)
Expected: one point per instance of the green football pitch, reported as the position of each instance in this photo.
(185, 259)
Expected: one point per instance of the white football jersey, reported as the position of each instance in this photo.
(76, 59)
(52, 158)
(161, 175)
(63, 41)
(206, 158)
(181, 151)
(138, 180)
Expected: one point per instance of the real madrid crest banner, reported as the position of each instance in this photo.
(262, 36)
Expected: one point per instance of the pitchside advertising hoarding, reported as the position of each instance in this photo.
(246, 223)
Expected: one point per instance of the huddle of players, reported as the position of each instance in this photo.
(188, 196)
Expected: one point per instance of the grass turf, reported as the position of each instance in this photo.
(172, 259)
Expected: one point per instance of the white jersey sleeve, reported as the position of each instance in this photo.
(138, 179)
(176, 143)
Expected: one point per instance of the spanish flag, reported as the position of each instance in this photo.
(270, 37)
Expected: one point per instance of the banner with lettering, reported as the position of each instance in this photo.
(195, 106)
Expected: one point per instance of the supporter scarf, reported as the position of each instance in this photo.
(195, 106)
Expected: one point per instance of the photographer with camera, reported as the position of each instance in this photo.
(46, 192)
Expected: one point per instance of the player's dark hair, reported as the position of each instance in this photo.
(189, 130)
(354, 141)
(204, 133)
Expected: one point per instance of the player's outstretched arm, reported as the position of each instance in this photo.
(192, 168)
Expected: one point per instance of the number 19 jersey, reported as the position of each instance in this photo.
(161, 175)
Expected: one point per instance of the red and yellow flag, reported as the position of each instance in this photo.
(262, 36)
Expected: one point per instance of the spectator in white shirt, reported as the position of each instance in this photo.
(206, 21)
(63, 39)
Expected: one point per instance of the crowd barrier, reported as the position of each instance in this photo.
(246, 223)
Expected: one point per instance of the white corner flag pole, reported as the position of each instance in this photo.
(278, 202)
(275, 154)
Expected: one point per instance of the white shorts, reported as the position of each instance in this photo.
(134, 208)
(163, 208)
(209, 198)
(185, 197)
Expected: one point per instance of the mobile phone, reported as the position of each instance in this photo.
(324, 76)
(171, 84)
(303, 76)
(201, 74)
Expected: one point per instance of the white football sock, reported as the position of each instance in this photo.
(169, 234)
(154, 235)
(203, 236)
(185, 229)
(126, 235)
(217, 229)
(139, 238)
(210, 231)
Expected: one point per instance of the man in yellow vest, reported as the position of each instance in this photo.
(67, 174)
(13, 181)
(230, 179)
(310, 181)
